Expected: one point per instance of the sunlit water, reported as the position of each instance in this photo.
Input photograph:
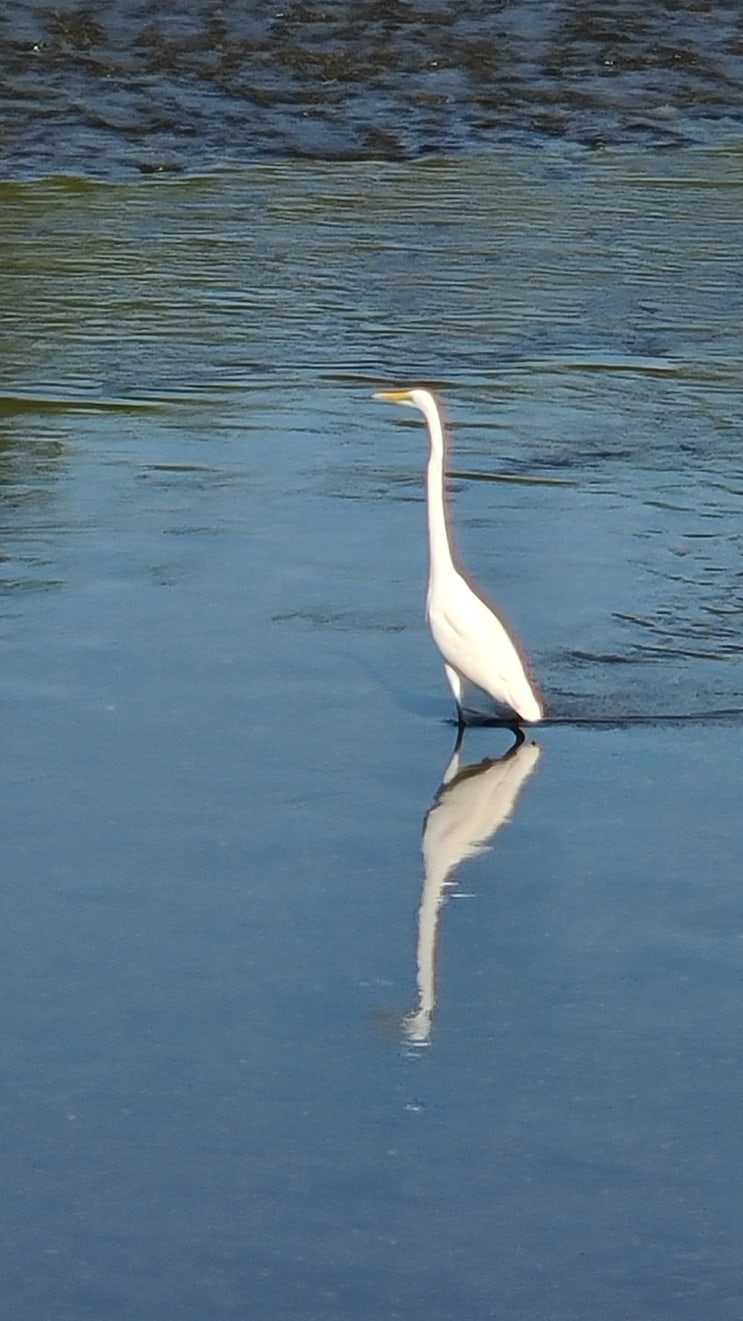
(264, 1054)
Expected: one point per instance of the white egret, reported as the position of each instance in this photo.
(473, 640)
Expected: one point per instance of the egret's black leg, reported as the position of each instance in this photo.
(518, 734)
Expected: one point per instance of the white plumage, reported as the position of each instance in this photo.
(474, 642)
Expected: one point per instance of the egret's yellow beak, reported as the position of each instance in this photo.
(393, 396)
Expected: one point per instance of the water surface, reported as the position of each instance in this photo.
(150, 87)
(225, 728)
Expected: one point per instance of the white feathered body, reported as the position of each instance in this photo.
(474, 643)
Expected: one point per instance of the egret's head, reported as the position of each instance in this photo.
(416, 398)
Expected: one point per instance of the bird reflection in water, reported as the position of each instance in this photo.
(473, 802)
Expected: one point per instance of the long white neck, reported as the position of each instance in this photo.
(439, 539)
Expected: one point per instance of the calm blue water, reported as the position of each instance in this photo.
(254, 1066)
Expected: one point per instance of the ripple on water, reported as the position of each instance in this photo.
(160, 89)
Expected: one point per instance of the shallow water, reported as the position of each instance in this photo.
(244, 1070)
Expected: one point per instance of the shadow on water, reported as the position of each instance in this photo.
(621, 720)
(13, 404)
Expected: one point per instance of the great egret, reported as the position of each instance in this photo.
(474, 642)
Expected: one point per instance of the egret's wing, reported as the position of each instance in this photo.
(475, 641)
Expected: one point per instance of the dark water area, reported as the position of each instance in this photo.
(96, 90)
